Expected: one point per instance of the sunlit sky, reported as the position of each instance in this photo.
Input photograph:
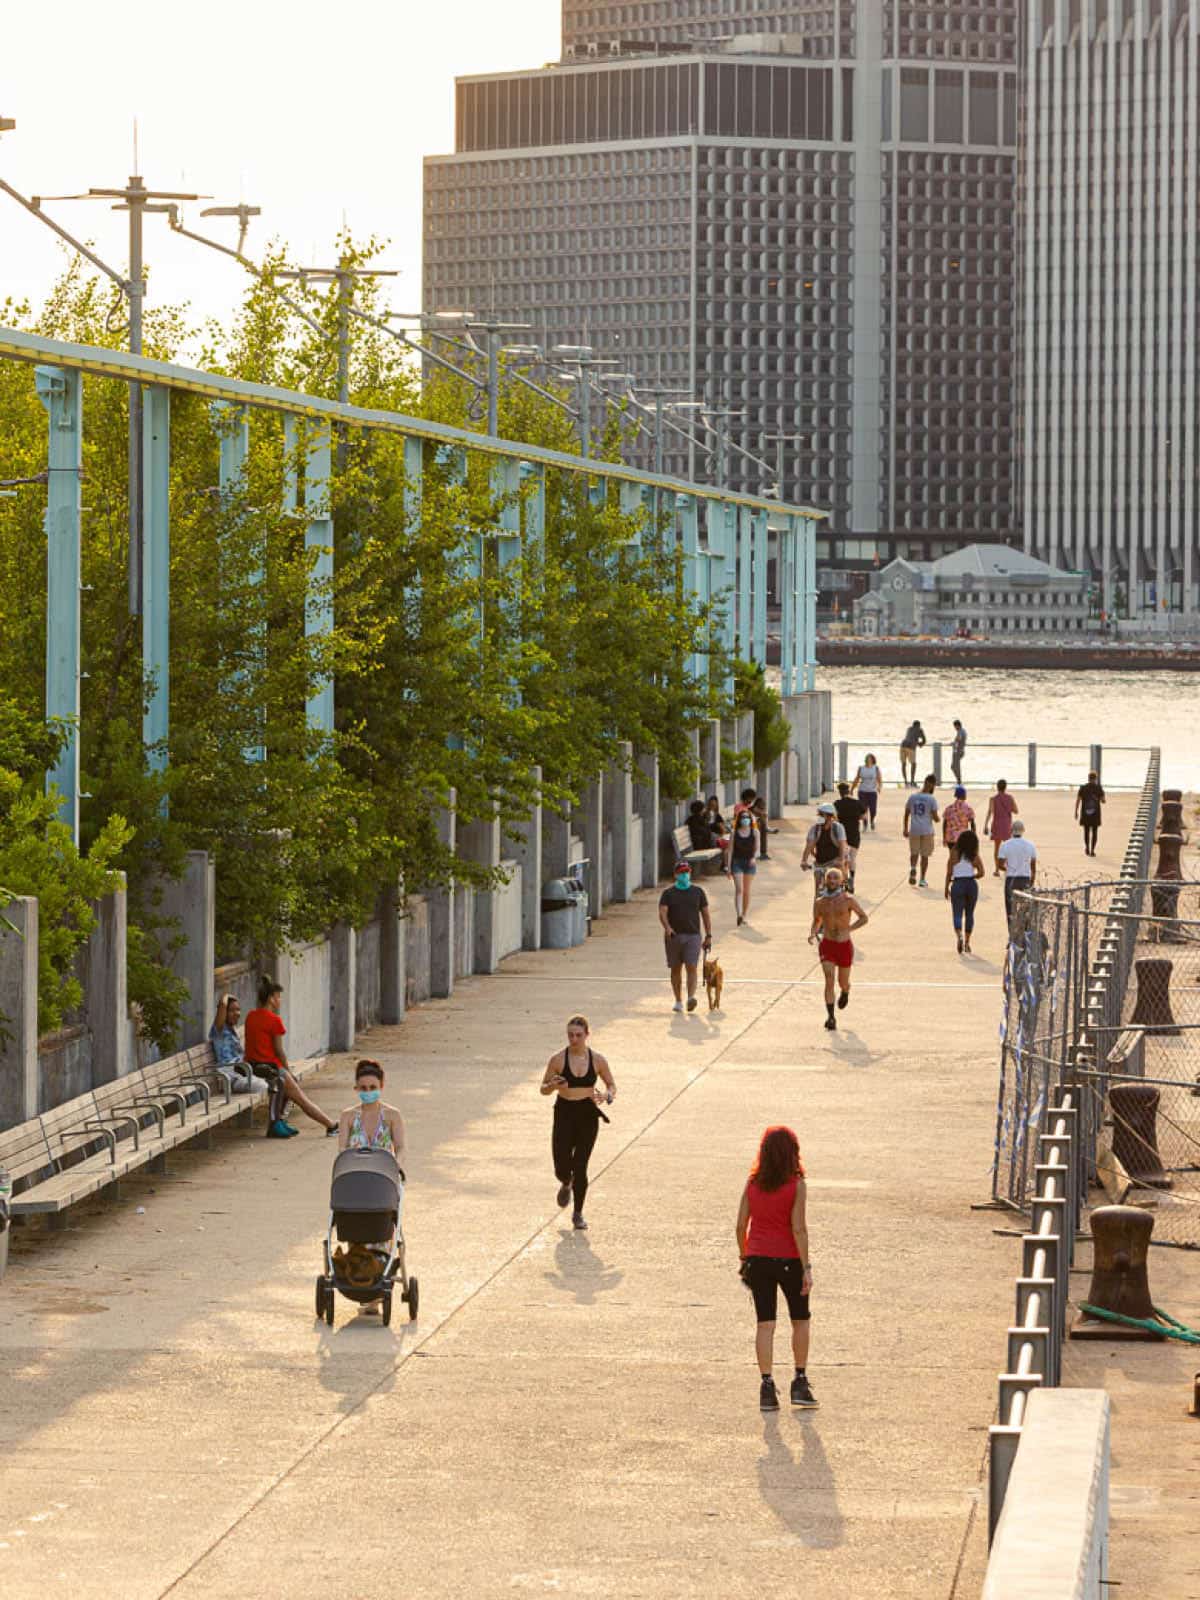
(317, 113)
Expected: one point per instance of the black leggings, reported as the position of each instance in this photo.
(1091, 831)
(765, 1276)
(576, 1123)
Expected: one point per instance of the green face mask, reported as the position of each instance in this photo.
(369, 1096)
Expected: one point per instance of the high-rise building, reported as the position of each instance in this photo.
(802, 210)
(1110, 291)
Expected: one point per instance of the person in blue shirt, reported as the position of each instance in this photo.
(227, 1047)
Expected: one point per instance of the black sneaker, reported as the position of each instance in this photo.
(802, 1395)
(843, 999)
(577, 1221)
(768, 1399)
(912, 877)
(692, 1002)
(563, 1195)
(830, 1024)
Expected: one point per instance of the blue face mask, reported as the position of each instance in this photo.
(683, 880)
(369, 1096)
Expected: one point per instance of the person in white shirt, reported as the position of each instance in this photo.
(867, 784)
(1018, 857)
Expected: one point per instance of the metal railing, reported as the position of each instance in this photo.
(1035, 1339)
(1031, 765)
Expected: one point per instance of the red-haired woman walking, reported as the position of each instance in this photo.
(772, 1239)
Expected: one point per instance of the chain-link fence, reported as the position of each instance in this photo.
(1102, 991)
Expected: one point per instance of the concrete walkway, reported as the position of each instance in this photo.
(573, 1414)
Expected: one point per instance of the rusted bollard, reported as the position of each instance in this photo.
(1135, 1133)
(1120, 1241)
(1171, 820)
(1153, 1008)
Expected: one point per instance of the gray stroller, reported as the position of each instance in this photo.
(365, 1199)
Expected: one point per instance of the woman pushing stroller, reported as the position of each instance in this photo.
(371, 1125)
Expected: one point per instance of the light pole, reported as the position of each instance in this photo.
(138, 201)
(713, 417)
(492, 330)
(779, 440)
(583, 358)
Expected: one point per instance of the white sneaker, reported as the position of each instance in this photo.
(678, 1006)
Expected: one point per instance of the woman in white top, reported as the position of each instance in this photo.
(963, 869)
(867, 785)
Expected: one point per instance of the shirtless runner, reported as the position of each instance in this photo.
(831, 919)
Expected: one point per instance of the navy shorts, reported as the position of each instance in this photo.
(749, 868)
(766, 1275)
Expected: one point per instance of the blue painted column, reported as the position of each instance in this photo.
(455, 463)
(745, 596)
(414, 480)
(808, 536)
(685, 507)
(789, 554)
(156, 571)
(61, 393)
(506, 482)
(233, 437)
(722, 535)
(759, 632)
(533, 510)
(318, 541)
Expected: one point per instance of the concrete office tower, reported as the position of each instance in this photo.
(802, 211)
(1110, 182)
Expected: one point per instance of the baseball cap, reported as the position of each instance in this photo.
(826, 810)
(683, 866)
(960, 793)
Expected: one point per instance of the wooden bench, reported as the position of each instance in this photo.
(90, 1143)
(682, 840)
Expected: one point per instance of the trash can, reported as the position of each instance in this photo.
(558, 914)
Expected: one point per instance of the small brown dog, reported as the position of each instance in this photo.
(714, 982)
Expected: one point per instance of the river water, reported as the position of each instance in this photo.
(1063, 712)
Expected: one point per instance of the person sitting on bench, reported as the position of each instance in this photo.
(227, 1047)
(265, 1055)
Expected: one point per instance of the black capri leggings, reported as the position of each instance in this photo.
(766, 1275)
(576, 1123)
(869, 798)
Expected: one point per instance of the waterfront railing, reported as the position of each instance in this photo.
(1032, 765)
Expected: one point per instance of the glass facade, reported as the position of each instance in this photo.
(825, 28)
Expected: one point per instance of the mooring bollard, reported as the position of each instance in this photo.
(1153, 1008)
(1120, 1244)
(1135, 1133)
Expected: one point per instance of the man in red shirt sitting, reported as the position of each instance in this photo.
(265, 1056)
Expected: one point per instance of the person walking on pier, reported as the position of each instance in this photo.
(825, 844)
(1018, 857)
(963, 870)
(867, 784)
(851, 809)
(920, 817)
(957, 817)
(1088, 807)
(957, 749)
(831, 919)
(743, 863)
(571, 1075)
(909, 745)
(1002, 808)
(371, 1125)
(772, 1240)
(681, 910)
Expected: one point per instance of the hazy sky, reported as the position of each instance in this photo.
(314, 112)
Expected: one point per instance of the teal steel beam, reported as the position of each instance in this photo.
(685, 506)
(20, 346)
(318, 542)
(233, 438)
(745, 596)
(61, 393)
(809, 657)
(723, 585)
(533, 513)
(156, 572)
(759, 631)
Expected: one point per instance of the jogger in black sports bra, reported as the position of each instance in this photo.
(577, 1112)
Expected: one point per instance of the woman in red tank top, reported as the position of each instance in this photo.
(772, 1238)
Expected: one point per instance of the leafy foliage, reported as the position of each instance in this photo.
(752, 692)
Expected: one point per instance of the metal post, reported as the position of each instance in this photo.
(493, 383)
(61, 393)
(156, 572)
(937, 761)
(745, 548)
(344, 280)
(1097, 756)
(233, 428)
(1032, 765)
(585, 411)
(689, 524)
(318, 542)
(135, 196)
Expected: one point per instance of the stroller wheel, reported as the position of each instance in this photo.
(387, 1309)
(329, 1299)
(412, 1297)
(320, 1298)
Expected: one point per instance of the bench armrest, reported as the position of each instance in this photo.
(202, 1084)
(91, 1127)
(141, 1100)
(121, 1122)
